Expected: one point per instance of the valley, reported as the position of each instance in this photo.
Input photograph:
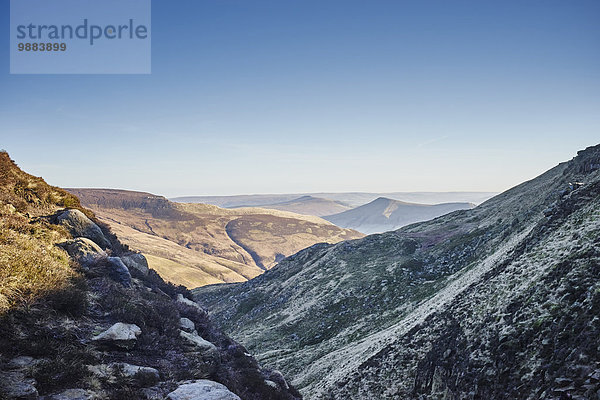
(200, 244)
(462, 306)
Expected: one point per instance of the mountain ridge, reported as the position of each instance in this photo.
(308, 205)
(384, 214)
(352, 199)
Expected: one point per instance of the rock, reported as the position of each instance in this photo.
(110, 371)
(153, 393)
(187, 325)
(21, 362)
(136, 261)
(118, 271)
(79, 225)
(14, 385)
(120, 335)
(183, 300)
(83, 250)
(202, 389)
(271, 383)
(198, 341)
(73, 394)
(137, 371)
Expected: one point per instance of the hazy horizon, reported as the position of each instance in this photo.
(339, 96)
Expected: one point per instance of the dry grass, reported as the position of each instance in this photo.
(29, 269)
(31, 266)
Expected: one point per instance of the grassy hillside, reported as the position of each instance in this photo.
(496, 302)
(199, 244)
(31, 266)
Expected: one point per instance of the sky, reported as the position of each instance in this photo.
(300, 96)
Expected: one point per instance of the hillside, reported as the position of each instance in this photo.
(497, 302)
(383, 215)
(82, 317)
(199, 244)
(309, 205)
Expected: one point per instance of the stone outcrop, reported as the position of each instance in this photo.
(113, 370)
(187, 325)
(119, 335)
(118, 271)
(78, 225)
(198, 342)
(136, 261)
(84, 250)
(202, 390)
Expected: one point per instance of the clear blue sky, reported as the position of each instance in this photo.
(302, 96)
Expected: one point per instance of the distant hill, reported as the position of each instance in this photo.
(384, 214)
(350, 199)
(200, 244)
(309, 205)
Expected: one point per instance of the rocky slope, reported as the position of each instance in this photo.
(199, 244)
(83, 317)
(382, 215)
(498, 302)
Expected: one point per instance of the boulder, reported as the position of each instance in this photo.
(83, 250)
(72, 394)
(202, 389)
(136, 261)
(187, 325)
(21, 362)
(120, 335)
(112, 370)
(183, 300)
(14, 385)
(79, 225)
(197, 341)
(118, 271)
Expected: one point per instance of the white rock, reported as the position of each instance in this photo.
(198, 341)
(187, 325)
(183, 300)
(271, 383)
(120, 334)
(202, 390)
(73, 394)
